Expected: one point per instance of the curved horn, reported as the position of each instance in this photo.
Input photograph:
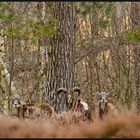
(64, 90)
(76, 89)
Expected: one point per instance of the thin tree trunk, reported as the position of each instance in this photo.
(7, 81)
(94, 33)
(43, 53)
(135, 20)
(11, 70)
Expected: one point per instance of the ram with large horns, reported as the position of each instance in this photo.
(61, 98)
(79, 104)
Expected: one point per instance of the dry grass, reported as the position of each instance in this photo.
(124, 124)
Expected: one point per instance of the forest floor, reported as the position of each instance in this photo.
(124, 124)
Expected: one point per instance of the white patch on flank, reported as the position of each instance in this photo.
(85, 105)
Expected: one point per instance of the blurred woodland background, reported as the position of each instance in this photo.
(48, 45)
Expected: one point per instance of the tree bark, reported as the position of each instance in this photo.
(42, 53)
(135, 20)
(94, 33)
(61, 54)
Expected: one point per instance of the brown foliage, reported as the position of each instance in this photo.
(124, 124)
(46, 108)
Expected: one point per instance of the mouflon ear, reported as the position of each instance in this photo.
(96, 95)
(108, 94)
(114, 94)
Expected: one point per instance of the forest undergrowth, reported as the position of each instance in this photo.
(123, 124)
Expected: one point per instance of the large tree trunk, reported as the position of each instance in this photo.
(61, 54)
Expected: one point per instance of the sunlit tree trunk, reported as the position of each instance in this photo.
(42, 52)
(7, 82)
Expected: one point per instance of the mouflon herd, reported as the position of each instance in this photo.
(99, 108)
